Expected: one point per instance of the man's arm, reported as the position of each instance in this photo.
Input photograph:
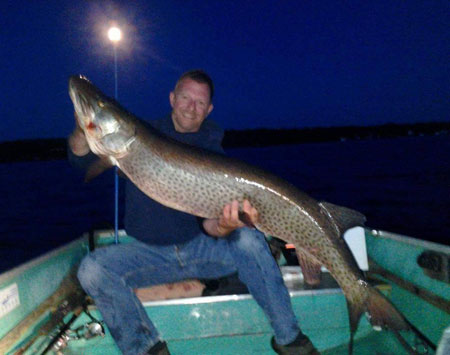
(77, 141)
(79, 154)
(229, 220)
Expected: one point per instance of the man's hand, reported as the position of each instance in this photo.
(229, 220)
(77, 141)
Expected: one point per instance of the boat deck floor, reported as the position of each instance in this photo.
(374, 343)
(234, 324)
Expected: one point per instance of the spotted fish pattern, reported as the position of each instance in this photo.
(199, 182)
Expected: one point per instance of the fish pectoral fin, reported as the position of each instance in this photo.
(311, 267)
(96, 168)
(246, 219)
(344, 218)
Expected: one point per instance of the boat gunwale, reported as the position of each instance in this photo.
(234, 297)
(20, 269)
(437, 247)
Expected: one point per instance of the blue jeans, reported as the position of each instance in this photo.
(110, 274)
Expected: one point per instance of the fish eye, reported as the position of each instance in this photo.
(101, 103)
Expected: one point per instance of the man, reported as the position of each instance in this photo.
(172, 245)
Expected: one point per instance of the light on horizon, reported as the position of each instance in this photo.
(114, 34)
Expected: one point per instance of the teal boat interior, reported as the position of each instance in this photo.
(43, 311)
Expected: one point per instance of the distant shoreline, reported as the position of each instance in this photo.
(56, 148)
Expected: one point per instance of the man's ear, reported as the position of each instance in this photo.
(172, 98)
(210, 108)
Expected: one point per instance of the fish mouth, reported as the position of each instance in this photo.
(82, 98)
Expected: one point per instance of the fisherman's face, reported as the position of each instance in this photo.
(191, 104)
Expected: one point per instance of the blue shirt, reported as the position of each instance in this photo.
(148, 220)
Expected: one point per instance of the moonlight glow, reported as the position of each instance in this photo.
(114, 34)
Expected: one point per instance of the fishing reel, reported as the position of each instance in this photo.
(89, 330)
(86, 331)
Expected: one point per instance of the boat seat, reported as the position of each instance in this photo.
(182, 289)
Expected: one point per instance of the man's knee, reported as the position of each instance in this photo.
(90, 273)
(249, 240)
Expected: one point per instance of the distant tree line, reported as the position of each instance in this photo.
(56, 148)
(264, 137)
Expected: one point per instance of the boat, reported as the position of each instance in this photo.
(44, 311)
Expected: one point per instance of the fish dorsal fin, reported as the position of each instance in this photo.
(344, 218)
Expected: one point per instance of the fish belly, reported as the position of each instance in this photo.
(202, 190)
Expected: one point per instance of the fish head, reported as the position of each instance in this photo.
(109, 129)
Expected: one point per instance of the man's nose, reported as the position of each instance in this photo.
(191, 105)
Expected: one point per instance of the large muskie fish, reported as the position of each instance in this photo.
(199, 182)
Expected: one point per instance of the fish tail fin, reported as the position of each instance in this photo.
(355, 311)
(383, 313)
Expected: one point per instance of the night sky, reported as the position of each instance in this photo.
(276, 64)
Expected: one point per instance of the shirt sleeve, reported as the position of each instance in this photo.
(215, 137)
